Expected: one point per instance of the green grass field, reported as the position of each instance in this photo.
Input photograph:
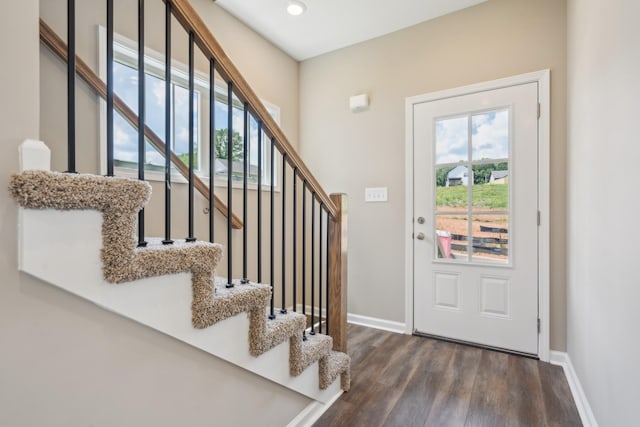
(485, 196)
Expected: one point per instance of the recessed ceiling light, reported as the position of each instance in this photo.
(296, 7)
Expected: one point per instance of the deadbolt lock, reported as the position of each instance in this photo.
(420, 220)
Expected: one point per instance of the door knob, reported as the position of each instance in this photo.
(420, 236)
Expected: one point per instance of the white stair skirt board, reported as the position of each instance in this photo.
(373, 322)
(312, 413)
(63, 248)
(584, 409)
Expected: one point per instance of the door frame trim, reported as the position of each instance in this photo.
(543, 78)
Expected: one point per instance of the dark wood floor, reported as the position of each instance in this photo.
(401, 380)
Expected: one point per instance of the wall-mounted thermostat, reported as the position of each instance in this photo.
(359, 103)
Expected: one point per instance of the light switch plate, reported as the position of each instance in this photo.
(375, 194)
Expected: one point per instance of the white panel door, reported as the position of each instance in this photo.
(476, 218)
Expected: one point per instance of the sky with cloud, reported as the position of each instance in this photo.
(126, 136)
(489, 137)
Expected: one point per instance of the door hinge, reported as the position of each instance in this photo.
(539, 110)
(538, 218)
(538, 326)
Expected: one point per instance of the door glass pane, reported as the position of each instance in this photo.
(451, 236)
(451, 191)
(452, 140)
(490, 135)
(472, 188)
(491, 187)
(490, 238)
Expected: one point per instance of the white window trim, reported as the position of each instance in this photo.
(156, 59)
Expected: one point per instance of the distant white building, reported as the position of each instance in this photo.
(499, 177)
(458, 176)
(221, 167)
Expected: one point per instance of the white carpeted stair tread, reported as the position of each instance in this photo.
(155, 243)
(334, 364)
(225, 302)
(276, 331)
(304, 353)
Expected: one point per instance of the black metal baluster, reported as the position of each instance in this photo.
(259, 227)
(245, 173)
(71, 86)
(295, 239)
(272, 314)
(212, 145)
(304, 255)
(191, 237)
(110, 153)
(283, 308)
(229, 184)
(313, 262)
(141, 115)
(320, 272)
(167, 125)
(327, 280)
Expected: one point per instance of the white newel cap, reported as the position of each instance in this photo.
(34, 155)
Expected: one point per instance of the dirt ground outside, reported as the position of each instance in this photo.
(457, 224)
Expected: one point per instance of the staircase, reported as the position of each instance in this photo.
(85, 234)
(65, 216)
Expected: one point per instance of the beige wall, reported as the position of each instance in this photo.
(272, 73)
(349, 152)
(64, 361)
(603, 288)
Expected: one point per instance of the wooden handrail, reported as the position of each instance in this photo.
(191, 21)
(59, 48)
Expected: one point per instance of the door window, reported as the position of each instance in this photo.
(472, 173)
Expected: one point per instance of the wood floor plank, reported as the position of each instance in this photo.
(357, 335)
(420, 392)
(487, 406)
(525, 399)
(452, 402)
(391, 383)
(396, 374)
(559, 405)
(406, 381)
(369, 400)
(374, 410)
(366, 373)
(362, 341)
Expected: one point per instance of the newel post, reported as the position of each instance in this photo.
(338, 273)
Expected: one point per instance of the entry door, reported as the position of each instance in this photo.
(476, 218)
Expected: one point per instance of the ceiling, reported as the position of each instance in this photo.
(328, 25)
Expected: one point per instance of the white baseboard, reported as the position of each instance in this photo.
(373, 322)
(312, 413)
(584, 409)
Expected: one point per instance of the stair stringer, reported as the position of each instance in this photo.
(63, 248)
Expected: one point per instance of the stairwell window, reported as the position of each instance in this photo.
(126, 135)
